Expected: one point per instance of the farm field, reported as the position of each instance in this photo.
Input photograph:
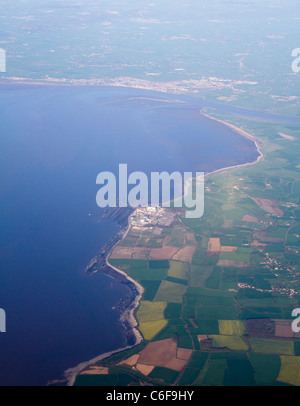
(266, 346)
(233, 343)
(231, 327)
(150, 316)
(289, 370)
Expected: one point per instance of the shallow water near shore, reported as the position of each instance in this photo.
(54, 142)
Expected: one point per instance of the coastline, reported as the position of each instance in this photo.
(243, 133)
(178, 87)
(128, 315)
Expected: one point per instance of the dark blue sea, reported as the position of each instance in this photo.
(53, 143)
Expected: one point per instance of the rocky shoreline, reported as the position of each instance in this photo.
(126, 306)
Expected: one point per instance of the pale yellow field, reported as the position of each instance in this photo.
(150, 316)
(151, 311)
(231, 327)
(178, 269)
(289, 370)
(149, 329)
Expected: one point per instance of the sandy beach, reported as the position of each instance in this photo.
(244, 134)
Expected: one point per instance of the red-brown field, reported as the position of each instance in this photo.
(262, 235)
(214, 245)
(121, 252)
(163, 353)
(250, 219)
(270, 206)
(228, 249)
(284, 329)
(184, 353)
(258, 244)
(163, 253)
(185, 254)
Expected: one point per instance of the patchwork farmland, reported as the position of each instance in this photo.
(218, 291)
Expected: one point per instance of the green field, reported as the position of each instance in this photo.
(239, 373)
(216, 312)
(170, 292)
(185, 341)
(268, 346)
(198, 360)
(266, 368)
(189, 376)
(150, 289)
(233, 343)
(213, 281)
(215, 373)
(165, 374)
(240, 255)
(178, 269)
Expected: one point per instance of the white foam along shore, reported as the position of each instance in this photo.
(128, 315)
(71, 373)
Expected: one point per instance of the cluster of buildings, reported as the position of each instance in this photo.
(152, 216)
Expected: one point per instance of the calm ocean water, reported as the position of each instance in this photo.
(53, 142)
